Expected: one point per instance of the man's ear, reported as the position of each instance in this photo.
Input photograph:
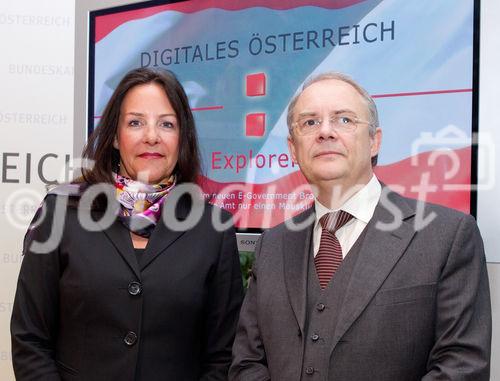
(376, 141)
(291, 148)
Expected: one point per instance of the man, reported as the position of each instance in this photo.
(369, 289)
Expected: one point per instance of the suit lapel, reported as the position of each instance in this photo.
(379, 253)
(296, 247)
(120, 237)
(162, 237)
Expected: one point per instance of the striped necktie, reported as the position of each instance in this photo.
(329, 255)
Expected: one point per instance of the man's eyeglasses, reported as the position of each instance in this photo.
(308, 125)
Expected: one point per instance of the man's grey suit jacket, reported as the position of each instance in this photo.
(417, 305)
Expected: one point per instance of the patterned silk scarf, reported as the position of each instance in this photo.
(141, 203)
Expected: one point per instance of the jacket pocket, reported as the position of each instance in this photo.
(405, 294)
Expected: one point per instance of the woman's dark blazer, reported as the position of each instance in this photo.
(88, 311)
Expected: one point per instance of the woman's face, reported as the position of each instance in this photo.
(147, 135)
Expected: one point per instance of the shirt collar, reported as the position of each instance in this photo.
(361, 205)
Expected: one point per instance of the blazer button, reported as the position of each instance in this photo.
(134, 288)
(130, 338)
(320, 307)
(315, 337)
(309, 370)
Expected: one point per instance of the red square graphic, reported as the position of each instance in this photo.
(255, 124)
(256, 85)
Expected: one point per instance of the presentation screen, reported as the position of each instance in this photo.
(241, 62)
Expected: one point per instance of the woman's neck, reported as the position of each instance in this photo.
(138, 241)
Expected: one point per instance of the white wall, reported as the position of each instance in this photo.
(36, 117)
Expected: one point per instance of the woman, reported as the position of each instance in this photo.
(137, 299)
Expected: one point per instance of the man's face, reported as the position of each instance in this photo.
(329, 157)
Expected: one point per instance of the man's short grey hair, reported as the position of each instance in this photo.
(372, 108)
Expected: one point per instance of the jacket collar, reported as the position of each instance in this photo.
(296, 247)
(161, 238)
